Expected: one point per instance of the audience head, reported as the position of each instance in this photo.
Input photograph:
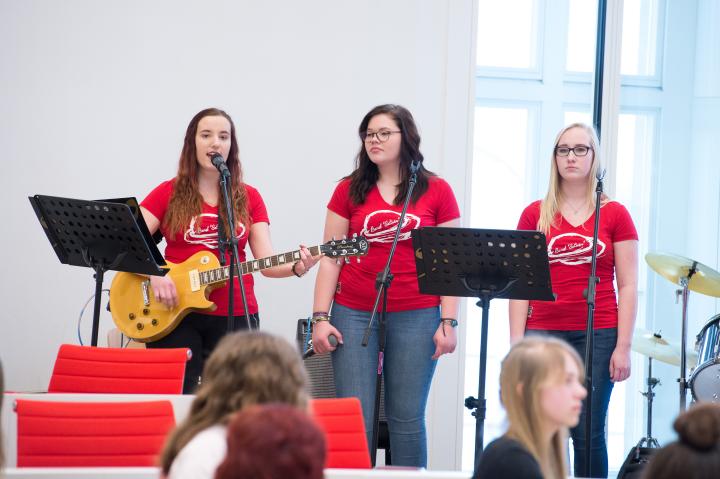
(696, 453)
(273, 441)
(245, 369)
(542, 392)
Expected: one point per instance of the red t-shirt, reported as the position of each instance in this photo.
(376, 220)
(201, 235)
(570, 254)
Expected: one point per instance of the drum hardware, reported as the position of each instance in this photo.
(648, 440)
(690, 275)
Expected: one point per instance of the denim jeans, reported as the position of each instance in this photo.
(604, 344)
(408, 371)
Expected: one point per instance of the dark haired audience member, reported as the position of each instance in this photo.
(273, 441)
(696, 453)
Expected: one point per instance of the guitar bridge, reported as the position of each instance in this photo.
(146, 292)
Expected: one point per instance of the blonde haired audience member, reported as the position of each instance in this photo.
(273, 441)
(246, 368)
(542, 392)
(696, 453)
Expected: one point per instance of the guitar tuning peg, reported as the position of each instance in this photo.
(347, 260)
(358, 259)
(338, 261)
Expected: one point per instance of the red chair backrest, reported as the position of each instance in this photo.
(342, 421)
(86, 369)
(83, 434)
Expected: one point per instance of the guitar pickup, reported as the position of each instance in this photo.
(146, 292)
(194, 280)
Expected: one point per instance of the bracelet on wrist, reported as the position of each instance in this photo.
(294, 271)
(321, 317)
(451, 321)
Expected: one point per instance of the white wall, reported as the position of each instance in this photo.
(95, 97)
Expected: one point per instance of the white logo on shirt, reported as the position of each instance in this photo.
(379, 226)
(206, 233)
(573, 249)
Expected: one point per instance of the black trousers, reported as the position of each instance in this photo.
(201, 333)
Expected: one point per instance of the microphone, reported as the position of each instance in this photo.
(311, 352)
(600, 174)
(219, 162)
(414, 166)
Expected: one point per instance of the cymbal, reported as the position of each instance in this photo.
(653, 345)
(673, 267)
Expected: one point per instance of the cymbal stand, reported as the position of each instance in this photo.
(684, 282)
(648, 440)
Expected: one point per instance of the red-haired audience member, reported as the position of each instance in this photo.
(542, 392)
(273, 441)
(246, 368)
(696, 453)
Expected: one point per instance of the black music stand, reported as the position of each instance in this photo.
(105, 235)
(484, 264)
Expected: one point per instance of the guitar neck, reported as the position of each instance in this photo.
(217, 275)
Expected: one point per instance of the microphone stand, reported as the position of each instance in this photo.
(382, 283)
(593, 280)
(234, 256)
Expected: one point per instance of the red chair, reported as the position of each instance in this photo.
(342, 421)
(74, 434)
(86, 369)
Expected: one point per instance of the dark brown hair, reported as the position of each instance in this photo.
(366, 172)
(696, 453)
(186, 200)
(273, 441)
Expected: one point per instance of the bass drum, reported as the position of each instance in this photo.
(705, 379)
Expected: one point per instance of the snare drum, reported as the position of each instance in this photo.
(705, 379)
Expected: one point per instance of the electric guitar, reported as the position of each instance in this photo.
(138, 315)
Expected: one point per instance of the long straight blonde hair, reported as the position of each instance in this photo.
(532, 364)
(551, 203)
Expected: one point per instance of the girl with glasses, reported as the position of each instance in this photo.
(420, 328)
(566, 215)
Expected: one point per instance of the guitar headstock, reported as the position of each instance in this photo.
(345, 248)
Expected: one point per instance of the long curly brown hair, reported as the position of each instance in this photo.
(186, 201)
(246, 368)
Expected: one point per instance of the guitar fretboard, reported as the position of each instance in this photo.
(222, 274)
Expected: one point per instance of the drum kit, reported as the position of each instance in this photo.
(704, 382)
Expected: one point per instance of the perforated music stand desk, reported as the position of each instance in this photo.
(105, 235)
(484, 264)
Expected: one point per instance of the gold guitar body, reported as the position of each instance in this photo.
(141, 317)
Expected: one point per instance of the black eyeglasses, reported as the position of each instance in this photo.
(382, 135)
(580, 150)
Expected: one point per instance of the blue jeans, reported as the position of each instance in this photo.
(408, 371)
(604, 344)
